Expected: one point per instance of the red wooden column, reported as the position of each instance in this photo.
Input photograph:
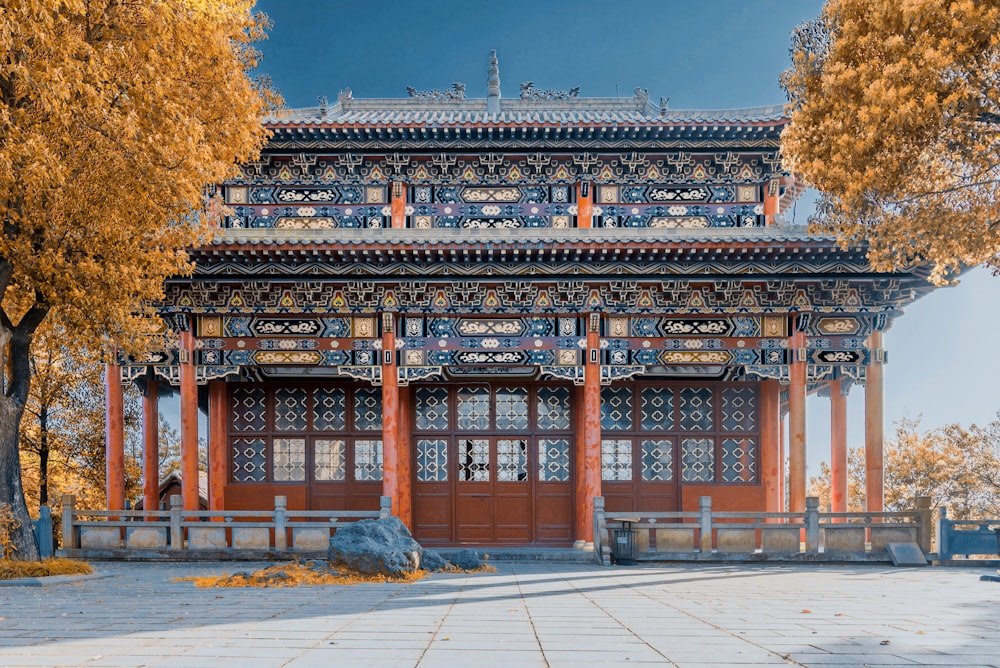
(151, 446)
(189, 422)
(771, 470)
(838, 448)
(782, 436)
(114, 432)
(390, 414)
(398, 206)
(584, 205)
(404, 454)
(874, 429)
(218, 442)
(797, 425)
(588, 484)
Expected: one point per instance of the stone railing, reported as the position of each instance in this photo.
(179, 534)
(967, 539)
(707, 535)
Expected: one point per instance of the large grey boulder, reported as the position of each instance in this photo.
(373, 547)
(467, 560)
(430, 560)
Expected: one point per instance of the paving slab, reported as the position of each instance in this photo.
(540, 613)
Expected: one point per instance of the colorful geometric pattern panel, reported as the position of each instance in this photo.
(552, 408)
(616, 408)
(696, 409)
(657, 460)
(512, 459)
(739, 460)
(432, 460)
(698, 460)
(329, 459)
(473, 460)
(657, 408)
(289, 460)
(367, 460)
(553, 460)
(616, 460)
(249, 406)
(249, 459)
(432, 409)
(511, 405)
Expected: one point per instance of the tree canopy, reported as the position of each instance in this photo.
(114, 116)
(895, 119)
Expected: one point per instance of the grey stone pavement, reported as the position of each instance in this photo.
(525, 614)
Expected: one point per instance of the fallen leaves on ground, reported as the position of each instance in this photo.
(294, 575)
(11, 569)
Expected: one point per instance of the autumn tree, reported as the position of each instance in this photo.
(954, 466)
(895, 119)
(114, 115)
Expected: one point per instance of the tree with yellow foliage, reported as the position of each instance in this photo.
(895, 119)
(114, 115)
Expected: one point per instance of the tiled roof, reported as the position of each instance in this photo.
(575, 111)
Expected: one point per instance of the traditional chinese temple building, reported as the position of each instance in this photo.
(494, 310)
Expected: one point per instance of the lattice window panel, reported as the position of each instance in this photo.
(698, 460)
(330, 459)
(290, 409)
(616, 408)
(511, 406)
(616, 459)
(289, 463)
(553, 460)
(739, 409)
(696, 409)
(367, 460)
(473, 405)
(658, 460)
(656, 406)
(432, 409)
(512, 459)
(473, 460)
(432, 460)
(739, 460)
(368, 409)
(249, 460)
(552, 408)
(329, 409)
(249, 406)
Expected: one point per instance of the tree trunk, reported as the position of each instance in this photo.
(11, 490)
(43, 457)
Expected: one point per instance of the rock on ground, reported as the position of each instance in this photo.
(375, 546)
(467, 560)
(432, 561)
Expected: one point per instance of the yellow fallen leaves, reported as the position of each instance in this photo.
(304, 574)
(11, 569)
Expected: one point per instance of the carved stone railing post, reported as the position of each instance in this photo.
(69, 536)
(280, 523)
(923, 505)
(600, 527)
(705, 522)
(176, 517)
(812, 524)
(384, 507)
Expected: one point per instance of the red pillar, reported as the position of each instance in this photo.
(584, 205)
(218, 441)
(390, 414)
(189, 423)
(404, 454)
(151, 446)
(838, 448)
(797, 426)
(114, 437)
(770, 450)
(589, 484)
(398, 205)
(781, 462)
(874, 429)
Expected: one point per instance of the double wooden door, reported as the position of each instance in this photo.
(492, 464)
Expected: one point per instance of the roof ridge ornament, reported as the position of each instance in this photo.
(456, 92)
(493, 85)
(529, 92)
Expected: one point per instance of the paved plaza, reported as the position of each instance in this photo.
(525, 614)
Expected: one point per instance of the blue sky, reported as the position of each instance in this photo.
(708, 54)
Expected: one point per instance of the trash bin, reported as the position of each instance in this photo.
(623, 545)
